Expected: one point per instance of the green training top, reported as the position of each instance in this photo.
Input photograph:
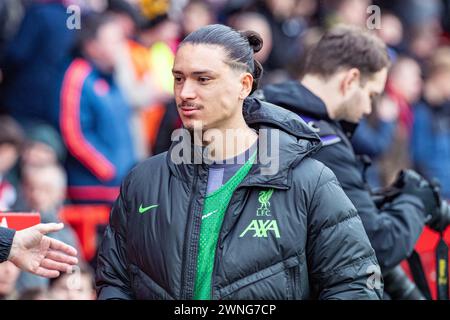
(216, 204)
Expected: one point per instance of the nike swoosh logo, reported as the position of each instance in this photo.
(208, 214)
(143, 210)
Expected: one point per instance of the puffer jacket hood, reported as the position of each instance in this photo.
(295, 97)
(296, 141)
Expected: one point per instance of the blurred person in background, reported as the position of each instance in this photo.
(422, 26)
(349, 12)
(32, 61)
(378, 128)
(11, 14)
(403, 88)
(12, 139)
(391, 32)
(9, 274)
(430, 141)
(196, 14)
(42, 146)
(143, 70)
(78, 285)
(94, 115)
(287, 29)
(44, 191)
(345, 73)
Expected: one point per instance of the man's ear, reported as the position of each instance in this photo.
(247, 84)
(350, 80)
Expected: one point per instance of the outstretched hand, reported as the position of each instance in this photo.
(34, 252)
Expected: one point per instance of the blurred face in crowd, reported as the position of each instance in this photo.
(66, 288)
(391, 31)
(44, 188)
(281, 9)
(353, 12)
(8, 156)
(357, 94)
(127, 24)
(38, 154)
(405, 79)
(208, 91)
(195, 16)
(104, 48)
(8, 277)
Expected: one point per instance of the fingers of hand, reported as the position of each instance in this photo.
(54, 265)
(43, 272)
(61, 257)
(45, 228)
(61, 246)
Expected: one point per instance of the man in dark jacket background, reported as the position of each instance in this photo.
(344, 75)
(228, 229)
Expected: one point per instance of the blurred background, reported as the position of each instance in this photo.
(86, 93)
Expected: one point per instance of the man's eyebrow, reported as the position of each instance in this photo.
(196, 73)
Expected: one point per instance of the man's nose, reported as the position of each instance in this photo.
(187, 91)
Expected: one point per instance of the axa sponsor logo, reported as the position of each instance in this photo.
(261, 228)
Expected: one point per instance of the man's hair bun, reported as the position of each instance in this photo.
(254, 39)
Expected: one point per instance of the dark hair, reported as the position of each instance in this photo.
(240, 46)
(347, 47)
(90, 25)
(11, 132)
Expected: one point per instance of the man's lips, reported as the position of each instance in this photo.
(189, 110)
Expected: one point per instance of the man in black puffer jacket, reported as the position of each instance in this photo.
(290, 234)
(344, 74)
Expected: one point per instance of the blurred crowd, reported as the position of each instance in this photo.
(86, 93)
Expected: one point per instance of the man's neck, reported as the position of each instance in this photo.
(229, 142)
(321, 89)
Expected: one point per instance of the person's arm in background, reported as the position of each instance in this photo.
(32, 251)
(77, 122)
(112, 279)
(340, 257)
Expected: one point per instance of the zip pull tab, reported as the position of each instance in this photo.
(442, 281)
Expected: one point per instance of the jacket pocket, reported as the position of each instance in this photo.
(145, 288)
(298, 283)
(280, 281)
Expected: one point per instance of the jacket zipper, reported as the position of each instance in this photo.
(219, 243)
(190, 259)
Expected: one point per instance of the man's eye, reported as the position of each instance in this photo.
(178, 79)
(203, 80)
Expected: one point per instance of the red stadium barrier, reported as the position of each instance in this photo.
(85, 219)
